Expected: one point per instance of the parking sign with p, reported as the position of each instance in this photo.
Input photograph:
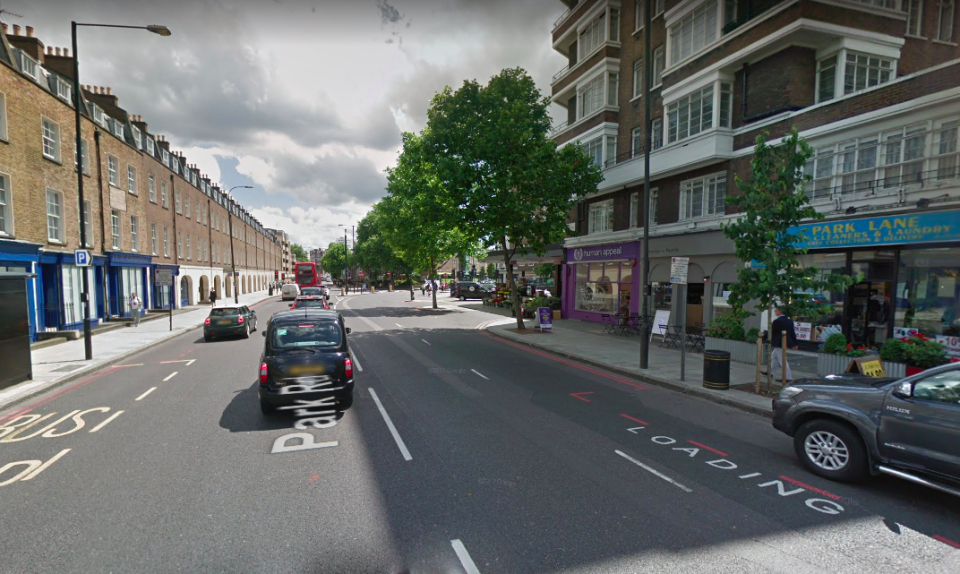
(81, 258)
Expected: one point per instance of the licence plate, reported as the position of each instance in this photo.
(307, 370)
(224, 322)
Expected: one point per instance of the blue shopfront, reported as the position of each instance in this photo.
(21, 258)
(62, 288)
(126, 275)
(911, 277)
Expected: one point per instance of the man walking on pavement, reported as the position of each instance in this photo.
(213, 297)
(782, 324)
(135, 306)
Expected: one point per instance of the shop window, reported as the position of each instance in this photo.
(601, 217)
(603, 287)
(828, 318)
(928, 294)
(72, 291)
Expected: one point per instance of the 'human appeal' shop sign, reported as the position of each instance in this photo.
(602, 252)
(890, 230)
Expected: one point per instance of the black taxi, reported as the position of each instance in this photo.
(305, 358)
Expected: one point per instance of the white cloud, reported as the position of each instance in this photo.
(315, 226)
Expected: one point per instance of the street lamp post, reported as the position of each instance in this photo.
(77, 104)
(233, 264)
(647, 123)
(353, 231)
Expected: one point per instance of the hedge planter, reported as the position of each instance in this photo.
(828, 364)
(740, 351)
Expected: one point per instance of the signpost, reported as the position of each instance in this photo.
(678, 276)
(545, 317)
(165, 277)
(81, 258)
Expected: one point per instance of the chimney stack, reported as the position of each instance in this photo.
(31, 45)
(4, 25)
(29, 31)
(16, 29)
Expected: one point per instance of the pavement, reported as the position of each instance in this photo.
(65, 361)
(463, 452)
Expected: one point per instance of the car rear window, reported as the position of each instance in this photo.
(225, 312)
(307, 334)
(311, 291)
(310, 304)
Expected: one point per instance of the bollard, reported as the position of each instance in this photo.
(783, 355)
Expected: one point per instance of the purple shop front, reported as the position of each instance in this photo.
(601, 282)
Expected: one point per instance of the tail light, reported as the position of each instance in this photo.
(206, 321)
(263, 373)
(348, 368)
(240, 320)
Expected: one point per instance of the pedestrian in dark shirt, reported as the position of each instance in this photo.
(782, 324)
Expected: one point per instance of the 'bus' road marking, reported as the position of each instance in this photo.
(479, 374)
(426, 341)
(653, 471)
(393, 429)
(399, 325)
(146, 393)
(170, 376)
(464, 557)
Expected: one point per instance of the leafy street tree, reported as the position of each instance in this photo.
(544, 271)
(373, 253)
(511, 185)
(334, 259)
(420, 219)
(492, 271)
(482, 272)
(299, 253)
(772, 202)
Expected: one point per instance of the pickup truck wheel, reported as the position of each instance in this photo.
(832, 450)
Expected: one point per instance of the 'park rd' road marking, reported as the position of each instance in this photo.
(426, 341)
(393, 429)
(654, 472)
(170, 376)
(144, 395)
(479, 374)
(464, 557)
(399, 325)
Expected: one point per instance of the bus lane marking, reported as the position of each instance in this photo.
(393, 429)
(11, 430)
(32, 470)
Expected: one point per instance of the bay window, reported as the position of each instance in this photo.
(694, 112)
(695, 31)
(613, 85)
(848, 72)
(703, 197)
(945, 20)
(600, 217)
(590, 97)
(592, 36)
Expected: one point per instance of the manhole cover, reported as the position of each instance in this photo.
(67, 368)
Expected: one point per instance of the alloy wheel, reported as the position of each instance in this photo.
(826, 450)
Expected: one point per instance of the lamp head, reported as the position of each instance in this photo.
(159, 29)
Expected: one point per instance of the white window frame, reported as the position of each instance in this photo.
(166, 157)
(179, 208)
(591, 147)
(180, 245)
(29, 66)
(708, 207)
(636, 141)
(134, 233)
(946, 18)
(153, 238)
(152, 188)
(88, 219)
(186, 206)
(914, 11)
(150, 146)
(132, 180)
(6, 206)
(135, 131)
(659, 61)
(600, 217)
(163, 195)
(3, 117)
(638, 78)
(64, 90)
(118, 128)
(698, 17)
(166, 241)
(189, 253)
(634, 205)
(199, 249)
(598, 30)
(98, 116)
(50, 135)
(113, 170)
(638, 9)
(599, 98)
(656, 133)
(55, 220)
(116, 228)
(686, 110)
(840, 73)
(654, 197)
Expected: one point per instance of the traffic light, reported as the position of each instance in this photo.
(276, 275)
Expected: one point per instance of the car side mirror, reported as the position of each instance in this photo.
(903, 390)
(290, 305)
(349, 330)
(263, 334)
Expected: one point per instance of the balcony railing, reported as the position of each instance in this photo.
(563, 17)
(884, 185)
(749, 12)
(558, 128)
(560, 74)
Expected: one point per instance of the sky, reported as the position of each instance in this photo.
(305, 100)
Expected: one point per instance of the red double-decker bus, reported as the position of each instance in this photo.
(306, 275)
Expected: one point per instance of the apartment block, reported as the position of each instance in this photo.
(872, 85)
(145, 207)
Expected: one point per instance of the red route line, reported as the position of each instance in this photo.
(946, 541)
(577, 396)
(571, 364)
(705, 447)
(811, 488)
(646, 424)
(46, 400)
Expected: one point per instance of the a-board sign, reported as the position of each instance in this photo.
(545, 318)
(660, 318)
(871, 366)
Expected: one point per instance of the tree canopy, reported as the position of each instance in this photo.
(334, 259)
(299, 253)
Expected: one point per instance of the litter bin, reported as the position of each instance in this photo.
(716, 370)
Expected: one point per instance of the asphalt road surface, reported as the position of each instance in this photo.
(461, 453)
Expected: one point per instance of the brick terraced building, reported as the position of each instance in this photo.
(873, 86)
(146, 207)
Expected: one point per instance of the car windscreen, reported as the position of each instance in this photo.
(225, 312)
(306, 334)
(310, 304)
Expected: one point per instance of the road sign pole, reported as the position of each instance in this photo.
(173, 286)
(683, 332)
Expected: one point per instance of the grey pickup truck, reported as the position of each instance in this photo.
(846, 427)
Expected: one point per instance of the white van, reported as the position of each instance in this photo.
(289, 291)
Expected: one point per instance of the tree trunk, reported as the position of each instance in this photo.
(433, 286)
(511, 285)
(769, 348)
